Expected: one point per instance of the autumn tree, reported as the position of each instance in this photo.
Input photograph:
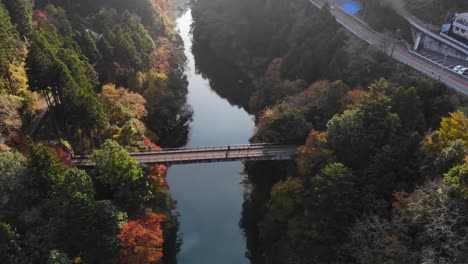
(142, 239)
(285, 203)
(10, 119)
(269, 90)
(315, 154)
(289, 127)
(126, 110)
(454, 127)
(324, 100)
(9, 48)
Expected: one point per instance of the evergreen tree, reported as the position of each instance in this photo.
(21, 14)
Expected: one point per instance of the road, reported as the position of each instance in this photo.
(400, 53)
(206, 154)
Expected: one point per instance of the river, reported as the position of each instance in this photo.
(209, 196)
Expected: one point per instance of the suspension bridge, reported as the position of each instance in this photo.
(249, 152)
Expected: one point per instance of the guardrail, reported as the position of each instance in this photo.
(442, 66)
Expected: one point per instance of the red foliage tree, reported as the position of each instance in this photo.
(142, 240)
(41, 14)
(63, 154)
(147, 142)
(161, 4)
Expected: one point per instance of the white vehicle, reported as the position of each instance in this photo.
(457, 68)
(462, 71)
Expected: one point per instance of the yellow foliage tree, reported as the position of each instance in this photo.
(454, 127)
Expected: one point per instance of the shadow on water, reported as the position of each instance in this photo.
(224, 78)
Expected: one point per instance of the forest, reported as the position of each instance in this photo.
(382, 172)
(88, 77)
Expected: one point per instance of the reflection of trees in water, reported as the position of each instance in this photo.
(172, 116)
(261, 176)
(172, 126)
(225, 79)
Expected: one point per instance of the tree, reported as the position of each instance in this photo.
(452, 155)
(122, 104)
(58, 69)
(87, 44)
(454, 127)
(324, 100)
(268, 91)
(10, 251)
(9, 48)
(74, 229)
(21, 14)
(288, 128)
(75, 180)
(458, 178)
(314, 155)
(10, 119)
(407, 105)
(45, 171)
(359, 132)
(329, 204)
(286, 201)
(119, 173)
(372, 239)
(57, 257)
(142, 239)
(440, 221)
(84, 227)
(12, 167)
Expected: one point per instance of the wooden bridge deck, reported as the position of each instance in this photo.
(252, 152)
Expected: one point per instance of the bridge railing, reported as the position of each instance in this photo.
(195, 149)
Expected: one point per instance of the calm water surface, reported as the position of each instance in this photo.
(209, 196)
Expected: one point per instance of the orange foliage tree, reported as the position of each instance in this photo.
(157, 179)
(142, 240)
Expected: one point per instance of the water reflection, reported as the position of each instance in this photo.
(210, 196)
(224, 78)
